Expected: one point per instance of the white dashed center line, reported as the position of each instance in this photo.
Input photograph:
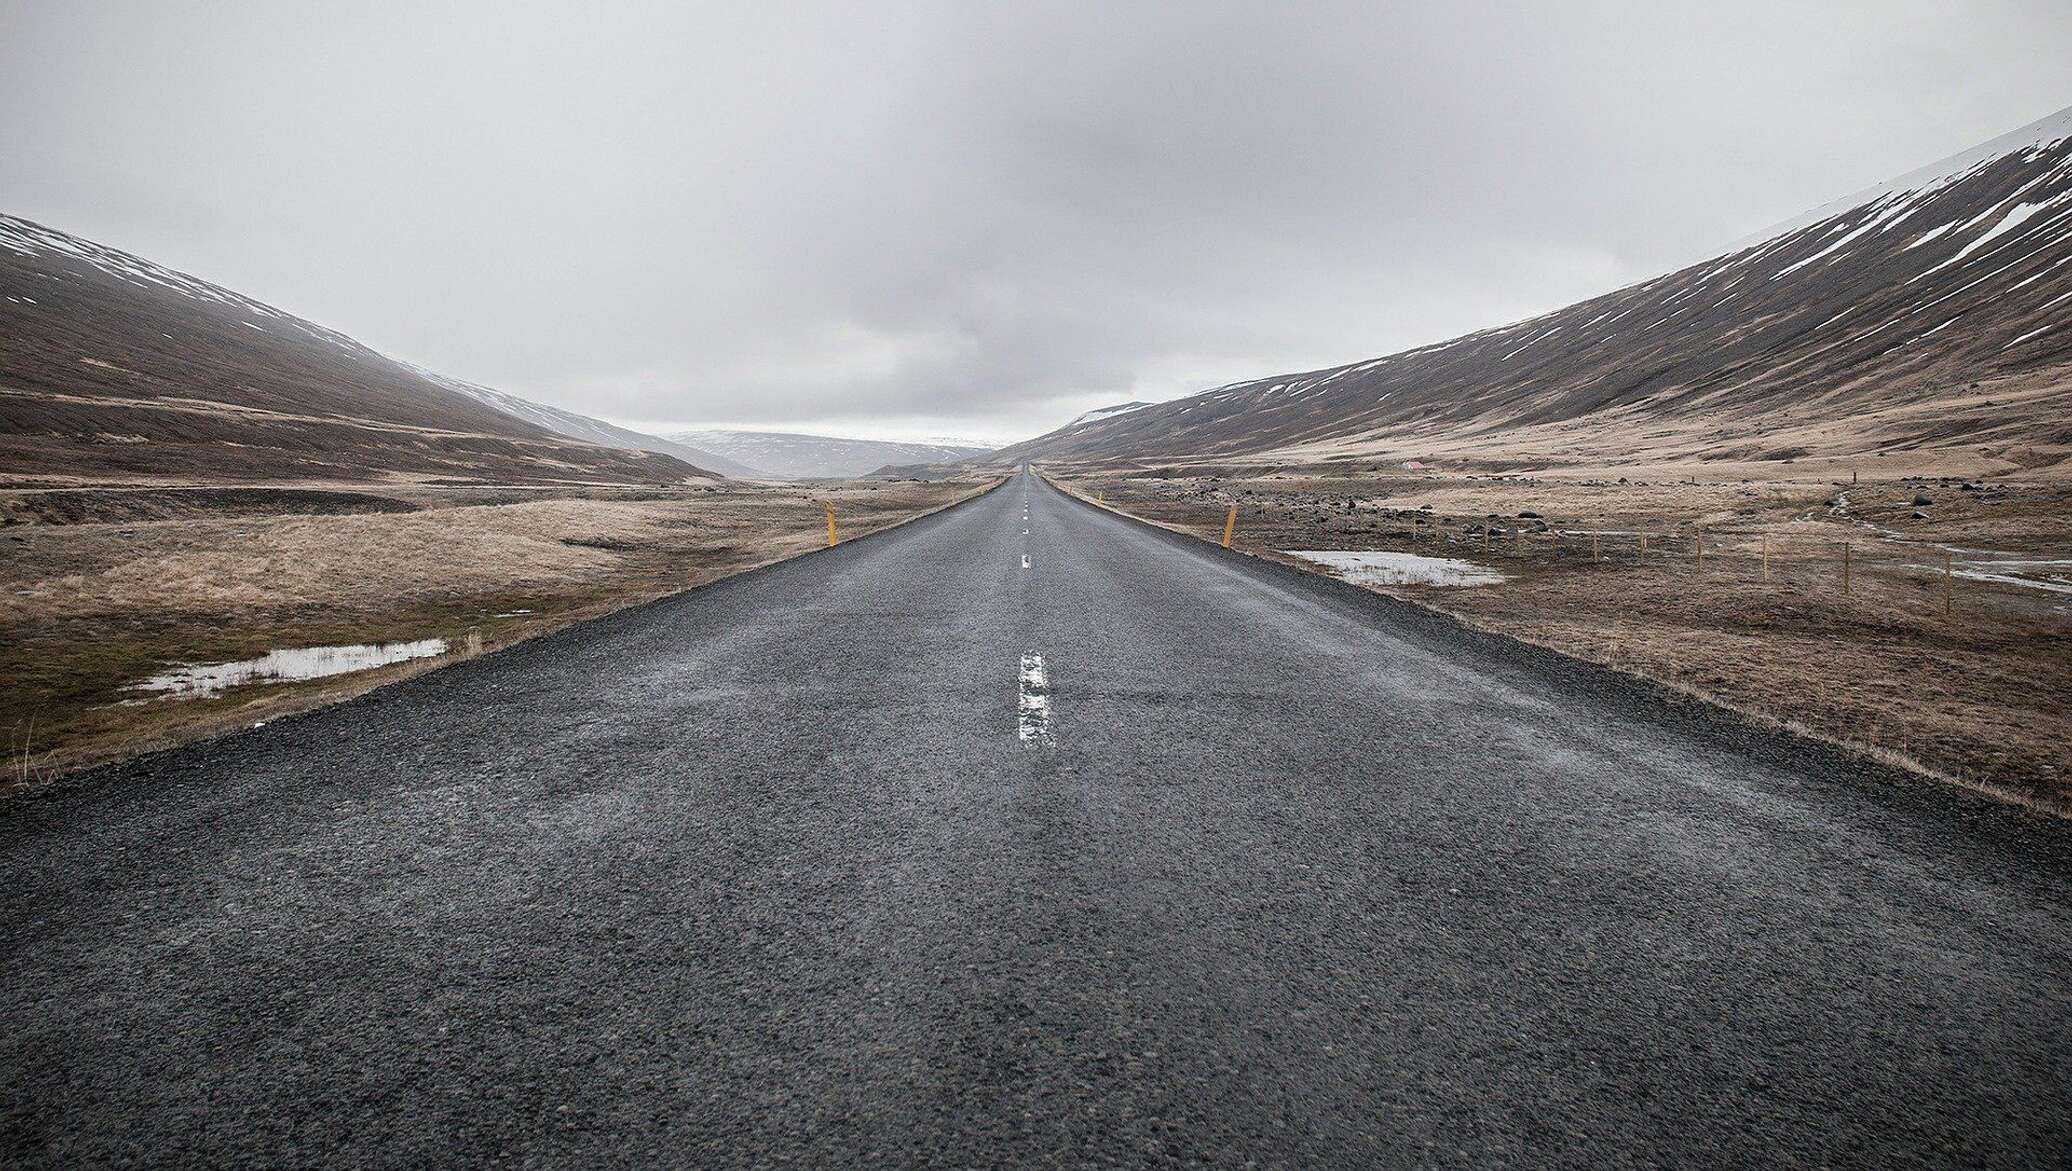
(1033, 719)
(1025, 561)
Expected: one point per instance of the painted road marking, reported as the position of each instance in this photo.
(1025, 561)
(1033, 720)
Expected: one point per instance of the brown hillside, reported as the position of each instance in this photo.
(112, 367)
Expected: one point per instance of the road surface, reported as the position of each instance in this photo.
(1006, 841)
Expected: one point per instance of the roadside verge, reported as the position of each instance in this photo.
(123, 635)
(1577, 648)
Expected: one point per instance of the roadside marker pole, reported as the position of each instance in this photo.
(1229, 527)
(830, 521)
(1594, 555)
(1946, 583)
(1845, 567)
(1643, 546)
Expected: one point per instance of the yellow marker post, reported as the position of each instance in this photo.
(830, 521)
(1229, 527)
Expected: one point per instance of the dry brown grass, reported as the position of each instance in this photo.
(1979, 696)
(2010, 424)
(88, 608)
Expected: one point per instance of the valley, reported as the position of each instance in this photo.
(1036, 586)
(794, 456)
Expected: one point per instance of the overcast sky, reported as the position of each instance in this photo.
(964, 218)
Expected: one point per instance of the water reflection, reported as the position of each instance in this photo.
(201, 680)
(1385, 568)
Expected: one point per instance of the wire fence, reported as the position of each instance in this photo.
(1804, 556)
(1846, 564)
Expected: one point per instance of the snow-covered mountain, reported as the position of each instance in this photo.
(1104, 413)
(587, 429)
(114, 366)
(787, 455)
(1934, 310)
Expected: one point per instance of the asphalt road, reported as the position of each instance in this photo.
(817, 865)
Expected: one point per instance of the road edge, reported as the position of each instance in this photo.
(1669, 693)
(85, 772)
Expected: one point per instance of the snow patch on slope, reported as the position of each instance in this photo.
(2036, 136)
(29, 238)
(1104, 413)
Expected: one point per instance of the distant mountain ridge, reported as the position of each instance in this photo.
(116, 367)
(587, 429)
(1877, 324)
(788, 455)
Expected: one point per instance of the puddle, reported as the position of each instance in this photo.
(1384, 568)
(202, 680)
(2055, 576)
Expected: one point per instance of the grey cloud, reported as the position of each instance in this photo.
(959, 216)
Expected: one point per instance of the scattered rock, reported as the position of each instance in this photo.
(1922, 499)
